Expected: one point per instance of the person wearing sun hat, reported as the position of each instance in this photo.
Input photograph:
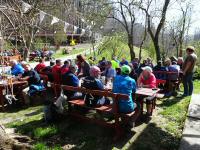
(147, 79)
(125, 85)
(188, 70)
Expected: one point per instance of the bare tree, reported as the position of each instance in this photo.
(179, 28)
(153, 31)
(123, 12)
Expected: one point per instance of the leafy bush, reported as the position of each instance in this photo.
(45, 132)
(8, 45)
(39, 43)
(197, 73)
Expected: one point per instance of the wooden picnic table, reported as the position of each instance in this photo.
(145, 92)
(3, 86)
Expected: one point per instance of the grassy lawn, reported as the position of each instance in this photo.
(162, 132)
(59, 53)
(122, 52)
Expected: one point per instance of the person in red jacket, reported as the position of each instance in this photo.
(40, 66)
(65, 67)
(147, 79)
(56, 71)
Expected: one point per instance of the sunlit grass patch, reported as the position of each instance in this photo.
(59, 53)
(175, 116)
(197, 86)
(43, 146)
(43, 132)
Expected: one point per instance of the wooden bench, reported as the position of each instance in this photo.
(111, 109)
(175, 83)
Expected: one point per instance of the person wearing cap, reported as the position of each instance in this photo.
(125, 85)
(188, 69)
(147, 79)
(94, 83)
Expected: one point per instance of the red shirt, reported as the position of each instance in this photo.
(150, 81)
(56, 71)
(64, 70)
(39, 67)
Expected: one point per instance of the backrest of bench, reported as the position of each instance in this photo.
(88, 91)
(115, 96)
(96, 92)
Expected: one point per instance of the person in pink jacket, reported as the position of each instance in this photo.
(147, 79)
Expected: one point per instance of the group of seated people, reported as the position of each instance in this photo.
(80, 73)
(23, 72)
(120, 77)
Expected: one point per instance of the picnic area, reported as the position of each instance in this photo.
(105, 75)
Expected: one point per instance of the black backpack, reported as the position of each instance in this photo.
(90, 83)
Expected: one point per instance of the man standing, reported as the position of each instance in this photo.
(188, 69)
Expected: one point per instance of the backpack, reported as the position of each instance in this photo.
(90, 83)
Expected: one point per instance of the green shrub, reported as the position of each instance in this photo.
(197, 73)
(45, 132)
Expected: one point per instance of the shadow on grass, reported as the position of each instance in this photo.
(170, 101)
(34, 113)
(35, 101)
(154, 138)
(66, 131)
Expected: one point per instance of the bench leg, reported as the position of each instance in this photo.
(154, 103)
(118, 130)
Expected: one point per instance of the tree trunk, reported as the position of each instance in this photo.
(181, 49)
(93, 44)
(131, 47)
(157, 49)
(140, 53)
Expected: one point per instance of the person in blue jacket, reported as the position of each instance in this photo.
(125, 85)
(16, 68)
(70, 79)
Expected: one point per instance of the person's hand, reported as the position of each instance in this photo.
(140, 85)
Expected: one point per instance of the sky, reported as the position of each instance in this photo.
(174, 13)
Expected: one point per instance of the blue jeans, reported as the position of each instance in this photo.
(188, 83)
